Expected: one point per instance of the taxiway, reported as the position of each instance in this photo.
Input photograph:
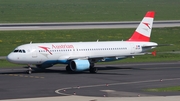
(120, 80)
(83, 25)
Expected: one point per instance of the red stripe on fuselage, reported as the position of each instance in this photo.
(45, 48)
(138, 37)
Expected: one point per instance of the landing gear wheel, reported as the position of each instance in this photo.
(93, 70)
(29, 71)
(68, 69)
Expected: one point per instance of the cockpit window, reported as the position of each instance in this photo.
(19, 51)
(24, 51)
(16, 51)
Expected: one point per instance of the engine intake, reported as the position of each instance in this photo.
(79, 65)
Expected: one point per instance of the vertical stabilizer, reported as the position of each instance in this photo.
(143, 31)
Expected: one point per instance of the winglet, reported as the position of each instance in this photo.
(143, 31)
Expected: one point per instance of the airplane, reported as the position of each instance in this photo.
(81, 56)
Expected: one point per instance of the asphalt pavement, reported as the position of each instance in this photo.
(83, 25)
(112, 81)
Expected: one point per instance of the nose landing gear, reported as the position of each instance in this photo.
(29, 71)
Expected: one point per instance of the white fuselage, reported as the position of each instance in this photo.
(39, 53)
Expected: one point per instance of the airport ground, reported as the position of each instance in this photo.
(112, 81)
(122, 82)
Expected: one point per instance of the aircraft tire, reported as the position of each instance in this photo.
(68, 69)
(93, 70)
(29, 71)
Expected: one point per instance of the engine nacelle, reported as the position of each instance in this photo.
(79, 65)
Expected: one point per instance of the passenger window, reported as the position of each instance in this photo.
(20, 51)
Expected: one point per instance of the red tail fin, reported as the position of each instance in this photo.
(143, 31)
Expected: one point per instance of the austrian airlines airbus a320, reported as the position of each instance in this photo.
(80, 56)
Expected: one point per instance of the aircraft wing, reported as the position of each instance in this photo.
(98, 57)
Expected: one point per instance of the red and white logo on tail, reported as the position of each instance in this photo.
(143, 31)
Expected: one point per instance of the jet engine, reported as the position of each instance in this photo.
(79, 65)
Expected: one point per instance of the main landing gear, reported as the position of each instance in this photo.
(68, 69)
(93, 69)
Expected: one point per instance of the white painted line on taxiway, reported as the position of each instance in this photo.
(63, 90)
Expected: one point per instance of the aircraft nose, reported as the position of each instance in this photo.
(10, 58)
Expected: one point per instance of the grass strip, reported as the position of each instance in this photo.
(164, 89)
(85, 10)
(11, 39)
